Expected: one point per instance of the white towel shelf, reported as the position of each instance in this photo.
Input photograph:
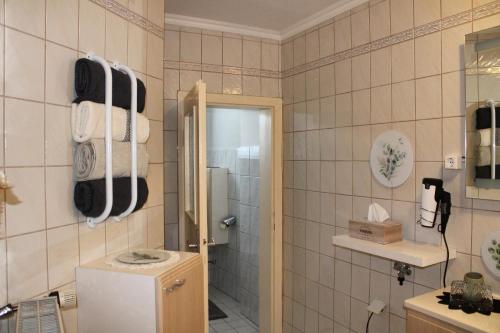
(409, 252)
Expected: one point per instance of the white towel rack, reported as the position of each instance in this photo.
(491, 104)
(133, 139)
(108, 137)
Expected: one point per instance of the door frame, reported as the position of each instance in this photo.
(274, 105)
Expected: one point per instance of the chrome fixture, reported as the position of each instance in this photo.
(403, 270)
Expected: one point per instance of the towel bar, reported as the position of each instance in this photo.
(108, 137)
(491, 104)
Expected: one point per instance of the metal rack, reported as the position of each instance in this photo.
(491, 104)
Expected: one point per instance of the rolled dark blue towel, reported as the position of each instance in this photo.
(90, 196)
(484, 172)
(483, 118)
(90, 85)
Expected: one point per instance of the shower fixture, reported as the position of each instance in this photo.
(403, 270)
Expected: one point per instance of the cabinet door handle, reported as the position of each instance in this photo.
(177, 284)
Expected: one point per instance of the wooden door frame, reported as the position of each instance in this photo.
(274, 105)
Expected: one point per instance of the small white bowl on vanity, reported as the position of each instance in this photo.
(425, 314)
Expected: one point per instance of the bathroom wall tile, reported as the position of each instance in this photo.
(326, 40)
(361, 107)
(325, 302)
(360, 26)
(327, 80)
(403, 65)
(138, 229)
(155, 185)
(172, 45)
(427, 11)
(483, 224)
(358, 321)
(453, 47)
(299, 87)
(137, 47)
(428, 55)
(361, 143)
(343, 143)
(231, 84)
(428, 134)
(401, 15)
(155, 12)
(381, 67)
(403, 101)
(92, 27)
(299, 204)
(299, 145)
(312, 265)
(343, 110)
(451, 7)
(154, 56)
(63, 256)
(116, 38)
(170, 146)
(213, 81)
(287, 55)
(232, 52)
(342, 34)
(59, 77)
(398, 295)
(452, 142)
(171, 84)
(361, 72)
(380, 104)
(25, 135)
(270, 56)
(171, 208)
(342, 308)
(270, 87)
(251, 54)
(24, 65)
(428, 97)
(300, 175)
(361, 179)
(312, 84)
(155, 142)
(155, 227)
(380, 19)
(27, 273)
(328, 176)
(28, 192)
(327, 208)
(116, 236)
(188, 79)
(325, 243)
(327, 112)
(62, 22)
(299, 51)
(453, 94)
(154, 105)
(92, 242)
(327, 144)
(298, 316)
(312, 45)
(26, 16)
(60, 209)
(379, 264)
(3, 270)
(360, 283)
(343, 76)
(343, 213)
(139, 6)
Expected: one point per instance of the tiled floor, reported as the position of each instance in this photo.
(235, 321)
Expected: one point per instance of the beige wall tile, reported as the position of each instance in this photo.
(361, 107)
(154, 99)
(312, 115)
(137, 47)
(213, 81)
(139, 6)
(428, 97)
(343, 34)
(361, 143)
(429, 140)
(361, 72)
(327, 80)
(270, 87)
(172, 45)
(312, 46)
(380, 20)
(188, 79)
(116, 235)
(452, 7)
(327, 112)
(343, 76)
(343, 177)
(287, 55)
(251, 54)
(62, 22)
(138, 229)
(427, 11)
(59, 196)
(3, 271)
(154, 56)
(155, 142)
(327, 144)
(360, 26)
(453, 94)
(26, 15)
(27, 266)
(24, 65)
(343, 143)
(63, 257)
(361, 179)
(428, 55)
(116, 38)
(403, 101)
(92, 27)
(156, 12)
(381, 67)
(401, 15)
(270, 56)
(92, 242)
(453, 47)
(232, 52)
(59, 76)
(312, 84)
(299, 87)
(171, 83)
(251, 85)
(381, 104)
(155, 227)
(299, 51)
(155, 185)
(343, 110)
(24, 139)
(326, 40)
(403, 65)
(231, 84)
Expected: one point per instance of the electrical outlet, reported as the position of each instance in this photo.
(452, 161)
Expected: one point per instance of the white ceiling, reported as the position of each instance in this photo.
(273, 16)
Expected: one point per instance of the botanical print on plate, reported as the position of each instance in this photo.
(391, 158)
(490, 253)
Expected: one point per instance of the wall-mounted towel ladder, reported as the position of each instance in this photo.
(109, 139)
(491, 104)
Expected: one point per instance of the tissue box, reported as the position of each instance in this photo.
(382, 233)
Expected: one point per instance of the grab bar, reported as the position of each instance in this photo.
(133, 139)
(491, 104)
(108, 138)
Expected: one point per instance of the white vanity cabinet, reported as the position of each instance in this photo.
(161, 300)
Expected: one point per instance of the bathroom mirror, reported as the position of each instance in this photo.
(482, 76)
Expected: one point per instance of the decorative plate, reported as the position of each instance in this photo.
(143, 256)
(391, 158)
(490, 253)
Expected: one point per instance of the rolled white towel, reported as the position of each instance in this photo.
(483, 137)
(483, 156)
(88, 122)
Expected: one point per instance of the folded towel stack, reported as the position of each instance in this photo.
(483, 143)
(88, 129)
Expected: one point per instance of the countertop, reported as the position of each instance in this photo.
(476, 322)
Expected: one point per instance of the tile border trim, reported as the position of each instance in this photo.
(131, 16)
(190, 66)
(423, 30)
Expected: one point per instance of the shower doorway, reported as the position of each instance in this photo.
(230, 174)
